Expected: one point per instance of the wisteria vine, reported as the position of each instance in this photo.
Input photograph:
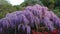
(26, 19)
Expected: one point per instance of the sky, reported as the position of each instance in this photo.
(15, 2)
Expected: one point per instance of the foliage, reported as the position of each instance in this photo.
(6, 7)
(2, 2)
(31, 2)
(51, 4)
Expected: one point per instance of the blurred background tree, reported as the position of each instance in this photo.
(3, 2)
(6, 7)
(53, 5)
(31, 2)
